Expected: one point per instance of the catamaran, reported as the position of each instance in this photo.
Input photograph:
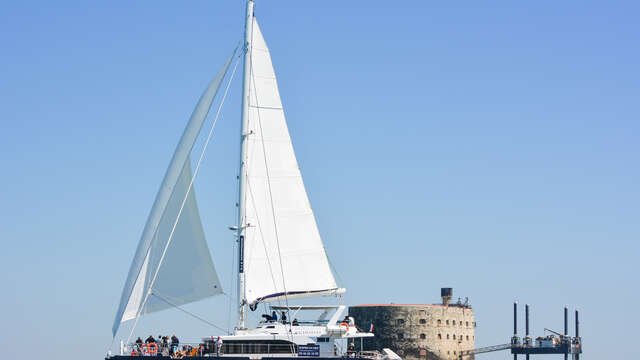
(281, 256)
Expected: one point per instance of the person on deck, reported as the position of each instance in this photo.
(175, 343)
(274, 316)
(283, 316)
(352, 350)
(150, 340)
(138, 345)
(164, 345)
(218, 346)
(294, 322)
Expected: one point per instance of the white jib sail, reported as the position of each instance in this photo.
(283, 248)
(186, 273)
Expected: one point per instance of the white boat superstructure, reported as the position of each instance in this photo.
(281, 256)
(323, 332)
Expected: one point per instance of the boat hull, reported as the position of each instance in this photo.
(129, 357)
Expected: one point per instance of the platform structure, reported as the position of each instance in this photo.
(556, 343)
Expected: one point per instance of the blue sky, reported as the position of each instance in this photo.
(491, 147)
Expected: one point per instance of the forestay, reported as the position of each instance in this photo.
(283, 249)
(186, 272)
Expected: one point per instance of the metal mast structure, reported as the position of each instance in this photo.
(246, 82)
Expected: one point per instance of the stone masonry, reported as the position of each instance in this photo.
(418, 331)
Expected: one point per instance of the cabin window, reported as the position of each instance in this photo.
(400, 336)
(423, 321)
(423, 336)
(323, 339)
(400, 322)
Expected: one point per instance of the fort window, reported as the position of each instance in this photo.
(439, 322)
(454, 336)
(467, 337)
(423, 321)
(423, 336)
(400, 322)
(439, 336)
(447, 336)
(447, 322)
(467, 324)
(454, 322)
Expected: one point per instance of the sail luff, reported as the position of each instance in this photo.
(171, 178)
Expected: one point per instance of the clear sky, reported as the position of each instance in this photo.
(488, 146)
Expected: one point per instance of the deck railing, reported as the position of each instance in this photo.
(206, 347)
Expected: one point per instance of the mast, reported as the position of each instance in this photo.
(246, 83)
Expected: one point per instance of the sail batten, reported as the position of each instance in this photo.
(284, 254)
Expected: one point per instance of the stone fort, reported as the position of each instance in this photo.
(419, 331)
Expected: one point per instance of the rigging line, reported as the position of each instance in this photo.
(264, 244)
(273, 211)
(184, 201)
(335, 270)
(155, 293)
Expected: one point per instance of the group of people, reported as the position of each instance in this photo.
(283, 318)
(165, 346)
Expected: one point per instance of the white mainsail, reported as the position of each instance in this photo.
(283, 251)
(172, 265)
